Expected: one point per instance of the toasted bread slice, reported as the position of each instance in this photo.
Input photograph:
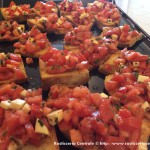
(108, 67)
(20, 18)
(74, 78)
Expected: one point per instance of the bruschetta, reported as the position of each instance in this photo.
(32, 43)
(51, 24)
(108, 17)
(97, 51)
(132, 89)
(127, 61)
(19, 13)
(62, 67)
(123, 34)
(23, 121)
(10, 30)
(81, 17)
(68, 6)
(75, 38)
(107, 122)
(12, 69)
(42, 9)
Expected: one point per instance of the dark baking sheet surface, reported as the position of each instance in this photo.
(96, 82)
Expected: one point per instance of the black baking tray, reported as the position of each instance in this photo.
(96, 82)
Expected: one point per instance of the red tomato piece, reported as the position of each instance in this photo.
(23, 117)
(6, 73)
(111, 85)
(124, 113)
(34, 100)
(99, 127)
(31, 47)
(106, 111)
(15, 57)
(118, 77)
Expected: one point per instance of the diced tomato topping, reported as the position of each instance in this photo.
(124, 113)
(106, 111)
(6, 73)
(23, 117)
(127, 122)
(111, 85)
(99, 127)
(118, 77)
(34, 100)
(36, 111)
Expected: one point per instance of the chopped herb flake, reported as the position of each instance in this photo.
(40, 122)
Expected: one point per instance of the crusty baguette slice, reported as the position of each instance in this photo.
(19, 18)
(109, 62)
(49, 143)
(13, 39)
(74, 78)
(100, 24)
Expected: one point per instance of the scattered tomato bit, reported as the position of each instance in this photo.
(29, 60)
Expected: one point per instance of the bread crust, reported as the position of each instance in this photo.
(20, 18)
(71, 48)
(74, 78)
